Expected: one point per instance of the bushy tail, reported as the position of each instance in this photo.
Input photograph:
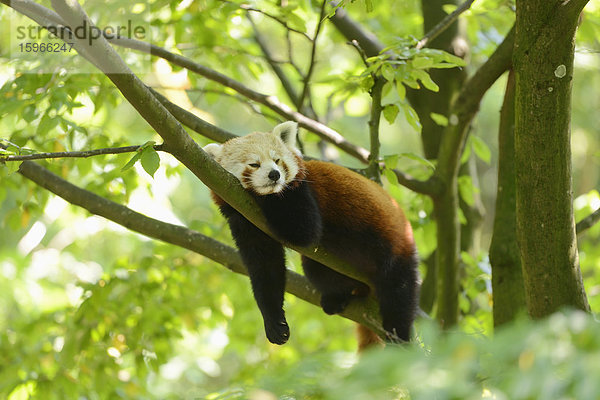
(367, 338)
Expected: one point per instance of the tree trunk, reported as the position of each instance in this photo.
(543, 62)
(507, 277)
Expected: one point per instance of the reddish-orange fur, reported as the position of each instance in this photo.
(332, 183)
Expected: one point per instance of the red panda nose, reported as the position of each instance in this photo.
(274, 175)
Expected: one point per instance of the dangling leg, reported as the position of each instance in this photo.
(396, 286)
(265, 260)
(336, 289)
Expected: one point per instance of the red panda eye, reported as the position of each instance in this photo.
(277, 161)
(254, 165)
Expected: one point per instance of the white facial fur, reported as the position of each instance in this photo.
(252, 158)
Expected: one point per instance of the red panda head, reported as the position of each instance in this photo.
(264, 163)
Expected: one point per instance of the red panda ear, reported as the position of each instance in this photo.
(287, 132)
(213, 150)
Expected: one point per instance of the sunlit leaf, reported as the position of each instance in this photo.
(150, 160)
(390, 112)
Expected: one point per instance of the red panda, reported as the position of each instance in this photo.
(318, 203)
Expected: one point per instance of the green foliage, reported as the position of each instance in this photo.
(553, 359)
(95, 312)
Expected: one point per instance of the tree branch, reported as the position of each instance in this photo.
(75, 154)
(363, 312)
(587, 222)
(192, 121)
(376, 89)
(353, 31)
(268, 15)
(432, 187)
(443, 24)
(271, 102)
(285, 82)
(313, 53)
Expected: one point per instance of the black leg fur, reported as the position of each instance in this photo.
(336, 289)
(293, 215)
(396, 286)
(265, 260)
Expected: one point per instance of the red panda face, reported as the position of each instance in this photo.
(262, 162)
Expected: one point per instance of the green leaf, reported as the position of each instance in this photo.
(13, 166)
(466, 189)
(296, 22)
(419, 159)
(131, 161)
(390, 112)
(401, 90)
(466, 153)
(150, 161)
(390, 176)
(421, 62)
(369, 5)
(439, 119)
(425, 79)
(412, 117)
(388, 72)
(366, 83)
(454, 60)
(481, 149)
(29, 113)
(46, 124)
(391, 161)
(387, 87)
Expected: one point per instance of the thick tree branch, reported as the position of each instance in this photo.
(353, 31)
(194, 122)
(363, 312)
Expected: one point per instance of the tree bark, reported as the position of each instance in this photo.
(507, 277)
(543, 62)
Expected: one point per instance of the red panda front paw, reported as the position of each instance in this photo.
(278, 332)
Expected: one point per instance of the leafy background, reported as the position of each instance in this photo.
(93, 311)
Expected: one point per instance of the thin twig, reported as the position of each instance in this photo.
(75, 154)
(268, 15)
(354, 43)
(443, 24)
(290, 52)
(313, 54)
(588, 222)
(283, 78)
(376, 108)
